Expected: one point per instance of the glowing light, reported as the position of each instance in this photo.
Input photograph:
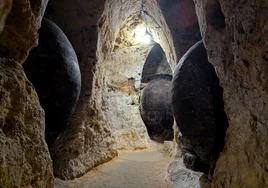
(140, 30)
(141, 36)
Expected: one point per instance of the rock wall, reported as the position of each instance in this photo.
(24, 156)
(121, 96)
(235, 34)
(20, 33)
(181, 18)
(117, 12)
(180, 176)
(5, 7)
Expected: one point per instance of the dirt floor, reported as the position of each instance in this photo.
(131, 169)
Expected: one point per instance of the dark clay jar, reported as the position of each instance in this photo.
(53, 69)
(155, 107)
(198, 109)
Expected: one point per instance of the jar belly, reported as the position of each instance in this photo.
(156, 107)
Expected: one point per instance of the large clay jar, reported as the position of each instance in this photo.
(155, 107)
(198, 109)
(53, 69)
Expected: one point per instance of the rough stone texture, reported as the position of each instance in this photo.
(5, 7)
(118, 13)
(238, 52)
(90, 140)
(182, 21)
(53, 69)
(129, 64)
(20, 33)
(156, 63)
(24, 156)
(179, 175)
(121, 96)
(126, 36)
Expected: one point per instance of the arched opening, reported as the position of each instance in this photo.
(125, 67)
(122, 68)
(120, 63)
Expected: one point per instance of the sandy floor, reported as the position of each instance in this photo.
(132, 169)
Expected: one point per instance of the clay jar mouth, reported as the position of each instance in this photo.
(160, 77)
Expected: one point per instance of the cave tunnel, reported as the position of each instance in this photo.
(143, 93)
(132, 90)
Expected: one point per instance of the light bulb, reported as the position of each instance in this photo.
(146, 39)
(140, 31)
(141, 36)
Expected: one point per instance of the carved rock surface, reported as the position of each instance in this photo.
(24, 158)
(5, 7)
(156, 107)
(198, 109)
(179, 175)
(20, 33)
(182, 21)
(121, 97)
(239, 53)
(53, 69)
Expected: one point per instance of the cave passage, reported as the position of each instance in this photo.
(129, 70)
(133, 93)
(134, 79)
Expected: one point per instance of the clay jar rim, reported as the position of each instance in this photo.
(160, 76)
